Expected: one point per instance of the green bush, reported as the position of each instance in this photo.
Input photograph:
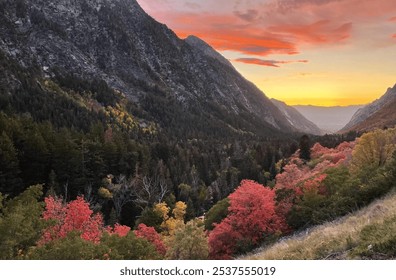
(217, 213)
(342, 196)
(189, 243)
(112, 247)
(20, 222)
(72, 247)
(129, 248)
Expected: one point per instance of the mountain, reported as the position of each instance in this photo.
(329, 119)
(379, 113)
(296, 119)
(181, 85)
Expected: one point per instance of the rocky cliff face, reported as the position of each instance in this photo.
(378, 114)
(116, 41)
(296, 119)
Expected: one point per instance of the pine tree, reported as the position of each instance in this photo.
(305, 152)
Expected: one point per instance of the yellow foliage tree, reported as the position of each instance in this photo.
(180, 210)
(189, 242)
(105, 193)
(372, 151)
(170, 224)
(163, 209)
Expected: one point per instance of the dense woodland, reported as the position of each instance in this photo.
(72, 135)
(330, 183)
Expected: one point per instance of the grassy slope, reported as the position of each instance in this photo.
(367, 234)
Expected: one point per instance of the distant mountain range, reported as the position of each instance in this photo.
(296, 119)
(378, 114)
(328, 119)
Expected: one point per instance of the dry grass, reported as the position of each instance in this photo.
(332, 240)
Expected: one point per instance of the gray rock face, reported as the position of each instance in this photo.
(364, 113)
(201, 45)
(115, 40)
(296, 119)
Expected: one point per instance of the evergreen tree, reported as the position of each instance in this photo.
(10, 183)
(305, 152)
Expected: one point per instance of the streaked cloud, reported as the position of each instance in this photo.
(320, 32)
(250, 15)
(350, 42)
(270, 63)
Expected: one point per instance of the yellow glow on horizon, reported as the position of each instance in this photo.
(320, 88)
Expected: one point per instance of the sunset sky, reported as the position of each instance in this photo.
(320, 52)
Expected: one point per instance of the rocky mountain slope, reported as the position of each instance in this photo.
(329, 119)
(172, 81)
(296, 119)
(380, 113)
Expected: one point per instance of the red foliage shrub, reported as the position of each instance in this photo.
(73, 216)
(251, 218)
(150, 234)
(297, 178)
(118, 229)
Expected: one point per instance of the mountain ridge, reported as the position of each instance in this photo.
(116, 41)
(297, 119)
(379, 113)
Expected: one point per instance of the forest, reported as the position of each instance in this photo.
(76, 208)
(86, 173)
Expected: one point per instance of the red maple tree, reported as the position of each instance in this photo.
(251, 217)
(73, 216)
(118, 229)
(151, 235)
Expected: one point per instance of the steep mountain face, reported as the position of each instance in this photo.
(385, 117)
(117, 42)
(296, 119)
(377, 114)
(328, 119)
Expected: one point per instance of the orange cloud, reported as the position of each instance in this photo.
(226, 32)
(393, 19)
(270, 27)
(319, 32)
(270, 63)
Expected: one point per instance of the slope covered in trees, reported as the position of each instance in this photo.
(334, 182)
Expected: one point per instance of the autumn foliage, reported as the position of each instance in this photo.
(252, 216)
(119, 230)
(151, 235)
(299, 177)
(73, 216)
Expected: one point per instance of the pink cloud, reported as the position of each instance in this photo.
(270, 27)
(323, 31)
(225, 32)
(270, 63)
